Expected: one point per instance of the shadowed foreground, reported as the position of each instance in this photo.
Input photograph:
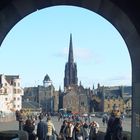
(22, 135)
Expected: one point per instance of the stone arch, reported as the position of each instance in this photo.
(118, 13)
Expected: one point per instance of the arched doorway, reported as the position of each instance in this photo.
(125, 23)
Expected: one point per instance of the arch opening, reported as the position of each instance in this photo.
(111, 10)
(56, 37)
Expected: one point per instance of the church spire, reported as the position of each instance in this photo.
(70, 58)
(70, 68)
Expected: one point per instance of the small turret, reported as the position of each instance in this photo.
(47, 82)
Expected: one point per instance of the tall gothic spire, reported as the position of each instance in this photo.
(70, 78)
(70, 58)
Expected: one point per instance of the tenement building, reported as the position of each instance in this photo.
(106, 98)
(10, 93)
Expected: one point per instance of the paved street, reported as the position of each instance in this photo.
(14, 124)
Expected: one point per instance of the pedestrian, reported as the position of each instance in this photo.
(117, 129)
(78, 131)
(29, 128)
(103, 120)
(62, 132)
(86, 131)
(21, 118)
(109, 132)
(94, 128)
(41, 129)
(69, 131)
(51, 132)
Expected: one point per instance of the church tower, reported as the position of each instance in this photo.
(70, 78)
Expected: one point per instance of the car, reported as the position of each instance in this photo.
(92, 115)
(85, 115)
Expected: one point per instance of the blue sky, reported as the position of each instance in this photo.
(38, 45)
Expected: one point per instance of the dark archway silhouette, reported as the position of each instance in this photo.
(122, 14)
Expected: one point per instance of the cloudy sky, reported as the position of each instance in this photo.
(38, 45)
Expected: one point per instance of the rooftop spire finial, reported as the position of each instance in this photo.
(70, 59)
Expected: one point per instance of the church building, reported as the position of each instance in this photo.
(70, 78)
(73, 93)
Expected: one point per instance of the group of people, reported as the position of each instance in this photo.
(71, 129)
(78, 130)
(36, 130)
(43, 129)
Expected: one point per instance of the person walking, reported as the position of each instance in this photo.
(51, 132)
(21, 117)
(117, 129)
(29, 128)
(62, 132)
(109, 132)
(78, 131)
(41, 129)
(69, 131)
(86, 131)
(94, 128)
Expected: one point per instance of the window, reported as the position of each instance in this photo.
(18, 84)
(5, 90)
(14, 90)
(82, 103)
(19, 90)
(14, 84)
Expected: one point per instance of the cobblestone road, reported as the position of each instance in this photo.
(14, 124)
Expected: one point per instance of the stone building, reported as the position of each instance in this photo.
(128, 106)
(11, 93)
(70, 68)
(74, 98)
(45, 95)
(109, 97)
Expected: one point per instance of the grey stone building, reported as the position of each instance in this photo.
(45, 95)
(105, 98)
(75, 97)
